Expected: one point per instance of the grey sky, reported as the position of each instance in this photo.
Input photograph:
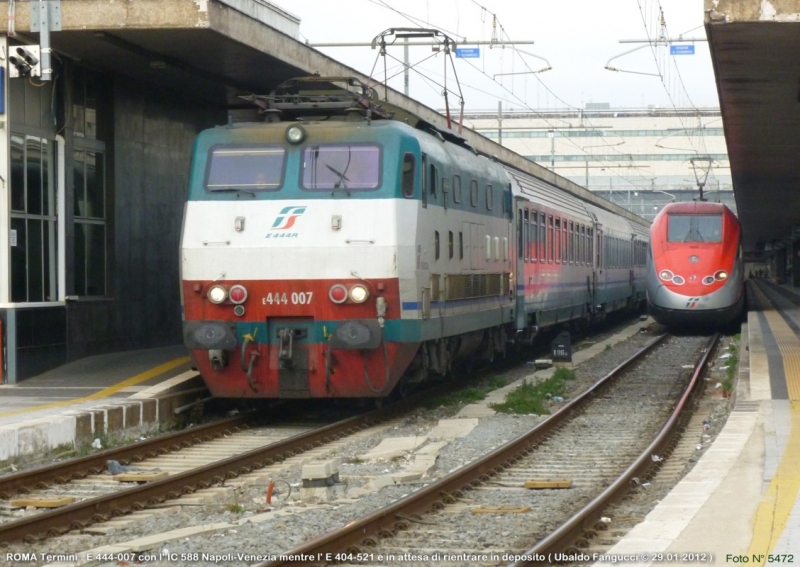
(577, 38)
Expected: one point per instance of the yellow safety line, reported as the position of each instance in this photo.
(781, 495)
(143, 377)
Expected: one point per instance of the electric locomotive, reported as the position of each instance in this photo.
(344, 247)
(695, 273)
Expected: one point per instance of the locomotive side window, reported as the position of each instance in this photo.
(424, 188)
(434, 180)
(473, 193)
(245, 168)
(694, 228)
(409, 174)
(489, 197)
(456, 188)
(345, 168)
(450, 243)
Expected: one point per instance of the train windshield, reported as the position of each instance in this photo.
(341, 168)
(695, 228)
(245, 168)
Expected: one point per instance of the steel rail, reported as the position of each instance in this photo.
(570, 530)
(102, 508)
(60, 473)
(363, 533)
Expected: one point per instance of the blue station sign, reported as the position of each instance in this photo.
(468, 52)
(681, 49)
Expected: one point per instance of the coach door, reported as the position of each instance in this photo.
(289, 344)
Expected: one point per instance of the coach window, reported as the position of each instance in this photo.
(407, 182)
(533, 244)
(436, 243)
(473, 193)
(557, 242)
(551, 238)
(542, 237)
(526, 227)
(456, 188)
(564, 242)
(489, 198)
(571, 238)
(582, 245)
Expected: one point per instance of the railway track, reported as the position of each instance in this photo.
(591, 442)
(102, 499)
(116, 503)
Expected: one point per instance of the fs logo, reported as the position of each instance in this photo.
(691, 303)
(285, 220)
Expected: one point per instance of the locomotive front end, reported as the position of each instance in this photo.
(290, 249)
(694, 275)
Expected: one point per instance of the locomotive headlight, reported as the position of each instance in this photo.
(721, 275)
(358, 294)
(295, 134)
(217, 294)
(666, 275)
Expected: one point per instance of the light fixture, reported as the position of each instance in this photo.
(295, 134)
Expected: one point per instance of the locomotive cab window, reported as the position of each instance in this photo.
(409, 174)
(694, 228)
(341, 167)
(245, 168)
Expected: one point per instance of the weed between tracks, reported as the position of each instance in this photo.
(533, 398)
(467, 395)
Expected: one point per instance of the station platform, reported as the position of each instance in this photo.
(94, 397)
(739, 504)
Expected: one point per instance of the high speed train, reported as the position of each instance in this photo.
(695, 273)
(343, 248)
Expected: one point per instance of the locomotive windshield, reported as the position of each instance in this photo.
(245, 168)
(338, 167)
(694, 228)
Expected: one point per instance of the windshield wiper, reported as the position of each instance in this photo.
(342, 179)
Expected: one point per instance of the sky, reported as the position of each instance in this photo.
(577, 38)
